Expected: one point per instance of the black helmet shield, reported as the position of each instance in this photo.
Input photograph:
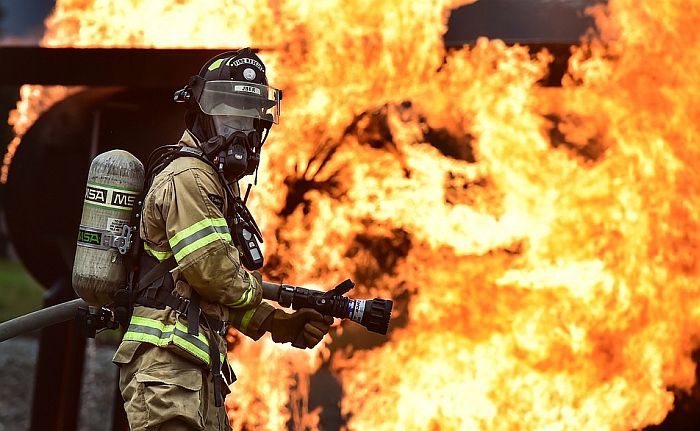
(230, 106)
(241, 65)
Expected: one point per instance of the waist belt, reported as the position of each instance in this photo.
(184, 308)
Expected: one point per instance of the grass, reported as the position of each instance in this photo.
(19, 292)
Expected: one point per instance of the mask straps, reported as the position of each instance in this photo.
(267, 133)
(247, 193)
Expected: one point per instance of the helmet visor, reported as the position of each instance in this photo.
(245, 99)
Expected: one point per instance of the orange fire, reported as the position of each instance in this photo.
(550, 284)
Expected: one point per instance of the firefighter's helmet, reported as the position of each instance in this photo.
(233, 83)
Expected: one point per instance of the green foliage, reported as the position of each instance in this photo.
(19, 292)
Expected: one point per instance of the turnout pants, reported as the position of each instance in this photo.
(165, 391)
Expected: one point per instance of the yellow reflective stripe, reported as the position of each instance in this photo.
(216, 64)
(164, 342)
(152, 323)
(147, 338)
(194, 228)
(245, 299)
(185, 344)
(144, 321)
(160, 255)
(167, 334)
(246, 319)
(168, 329)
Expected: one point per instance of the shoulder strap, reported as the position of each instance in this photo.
(157, 161)
(158, 271)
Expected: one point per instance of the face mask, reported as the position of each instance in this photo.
(236, 147)
(242, 154)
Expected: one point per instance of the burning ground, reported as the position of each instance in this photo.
(541, 244)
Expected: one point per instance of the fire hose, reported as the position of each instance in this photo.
(39, 319)
(373, 314)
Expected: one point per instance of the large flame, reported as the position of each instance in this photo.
(547, 284)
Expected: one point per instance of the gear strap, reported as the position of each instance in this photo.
(193, 318)
(220, 387)
(155, 272)
(155, 290)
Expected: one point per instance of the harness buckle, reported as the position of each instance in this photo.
(224, 328)
(184, 306)
(121, 241)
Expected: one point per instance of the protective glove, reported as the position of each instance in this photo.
(287, 328)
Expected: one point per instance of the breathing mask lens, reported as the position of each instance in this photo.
(227, 125)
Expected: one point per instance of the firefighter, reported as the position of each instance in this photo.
(197, 237)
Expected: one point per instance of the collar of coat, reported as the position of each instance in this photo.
(189, 140)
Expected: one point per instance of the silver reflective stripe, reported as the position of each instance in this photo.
(191, 150)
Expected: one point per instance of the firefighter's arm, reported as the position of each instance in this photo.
(284, 327)
(251, 322)
(201, 242)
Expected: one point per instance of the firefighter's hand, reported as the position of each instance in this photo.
(306, 323)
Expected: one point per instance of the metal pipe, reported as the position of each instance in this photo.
(40, 319)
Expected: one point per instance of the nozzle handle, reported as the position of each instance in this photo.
(341, 289)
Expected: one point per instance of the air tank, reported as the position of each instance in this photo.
(114, 183)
